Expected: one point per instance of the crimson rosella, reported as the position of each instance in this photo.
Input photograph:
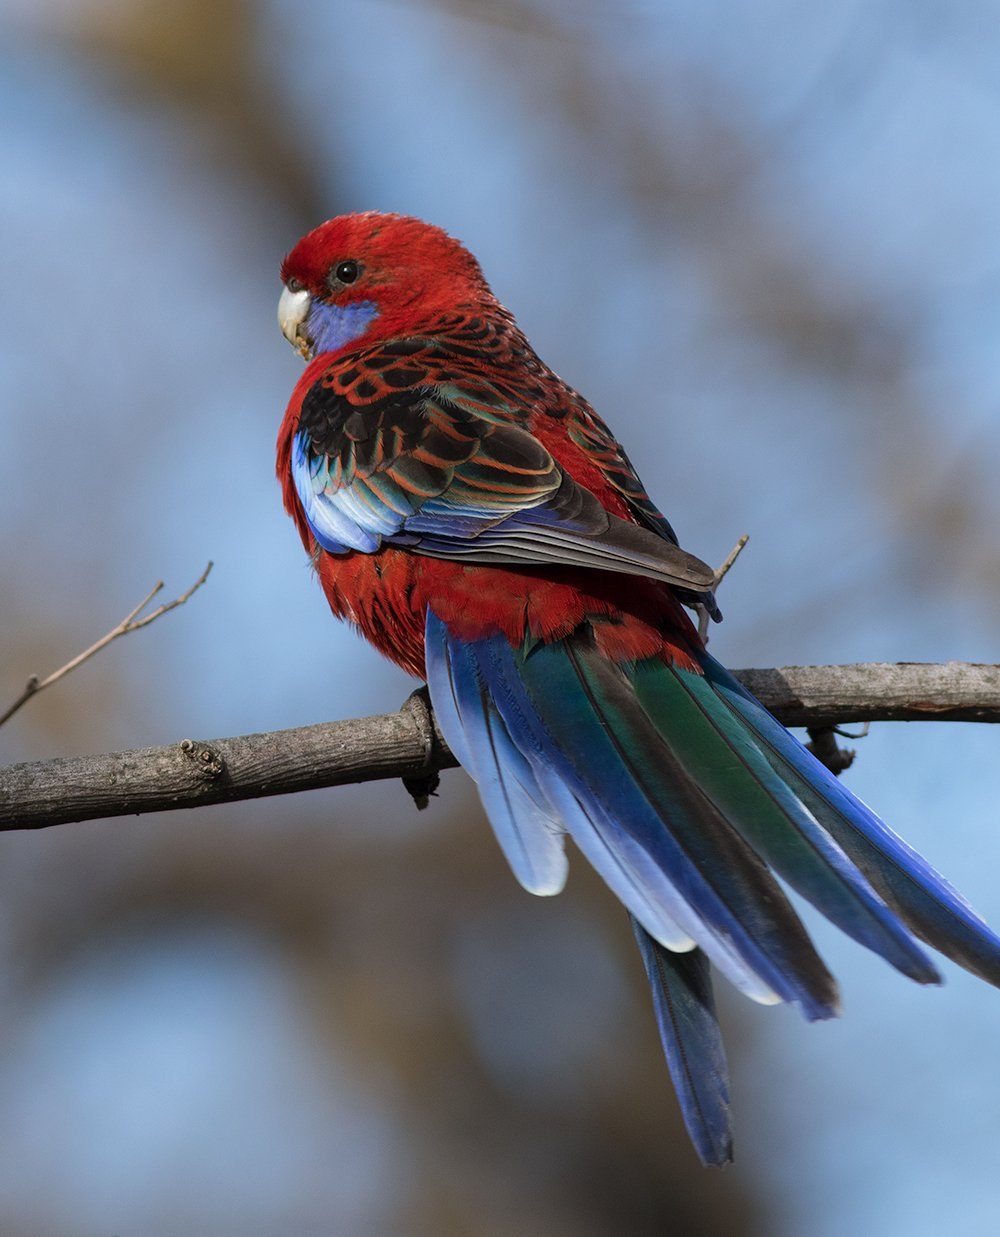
(476, 520)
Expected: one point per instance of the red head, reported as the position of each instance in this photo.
(373, 274)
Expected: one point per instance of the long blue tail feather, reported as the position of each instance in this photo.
(530, 835)
(650, 802)
(695, 722)
(692, 1043)
(651, 833)
(923, 899)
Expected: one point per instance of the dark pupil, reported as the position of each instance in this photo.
(347, 272)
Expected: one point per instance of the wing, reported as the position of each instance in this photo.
(588, 431)
(528, 387)
(395, 446)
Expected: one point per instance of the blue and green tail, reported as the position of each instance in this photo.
(690, 799)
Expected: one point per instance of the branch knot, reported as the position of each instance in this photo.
(208, 762)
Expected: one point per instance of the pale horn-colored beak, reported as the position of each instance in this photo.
(293, 310)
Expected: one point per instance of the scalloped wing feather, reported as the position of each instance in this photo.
(444, 470)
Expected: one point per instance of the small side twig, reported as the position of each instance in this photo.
(131, 622)
(720, 575)
(731, 558)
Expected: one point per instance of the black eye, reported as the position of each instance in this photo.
(347, 272)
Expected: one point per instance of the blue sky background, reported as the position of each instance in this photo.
(766, 245)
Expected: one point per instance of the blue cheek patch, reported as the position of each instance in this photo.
(333, 326)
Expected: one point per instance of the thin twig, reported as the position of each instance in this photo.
(730, 558)
(720, 575)
(131, 622)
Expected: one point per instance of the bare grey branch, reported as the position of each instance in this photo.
(192, 773)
